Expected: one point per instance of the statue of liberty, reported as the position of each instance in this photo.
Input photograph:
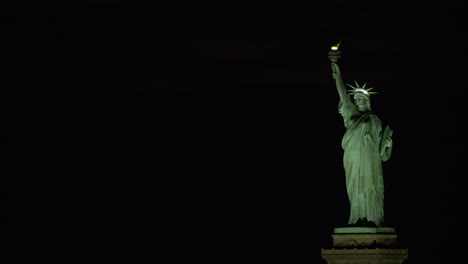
(365, 146)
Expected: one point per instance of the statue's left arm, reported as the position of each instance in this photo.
(386, 144)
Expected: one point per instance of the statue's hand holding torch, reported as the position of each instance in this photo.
(335, 70)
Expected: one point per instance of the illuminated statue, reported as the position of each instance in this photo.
(365, 146)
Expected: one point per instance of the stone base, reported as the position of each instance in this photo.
(357, 245)
(364, 237)
(364, 230)
(367, 256)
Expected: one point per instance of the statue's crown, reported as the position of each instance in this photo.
(360, 89)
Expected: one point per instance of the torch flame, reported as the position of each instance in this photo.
(336, 47)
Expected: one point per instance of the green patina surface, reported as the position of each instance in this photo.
(366, 144)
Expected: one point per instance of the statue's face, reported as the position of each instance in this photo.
(361, 101)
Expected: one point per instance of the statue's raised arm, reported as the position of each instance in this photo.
(340, 85)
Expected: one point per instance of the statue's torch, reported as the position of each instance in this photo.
(334, 54)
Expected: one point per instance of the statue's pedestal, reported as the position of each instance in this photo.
(353, 245)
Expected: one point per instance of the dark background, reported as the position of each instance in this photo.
(209, 132)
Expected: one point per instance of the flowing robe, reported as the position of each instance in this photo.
(364, 150)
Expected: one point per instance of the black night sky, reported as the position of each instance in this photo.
(209, 132)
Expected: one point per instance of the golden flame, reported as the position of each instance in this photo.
(336, 47)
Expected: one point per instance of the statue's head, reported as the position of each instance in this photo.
(362, 101)
(361, 96)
